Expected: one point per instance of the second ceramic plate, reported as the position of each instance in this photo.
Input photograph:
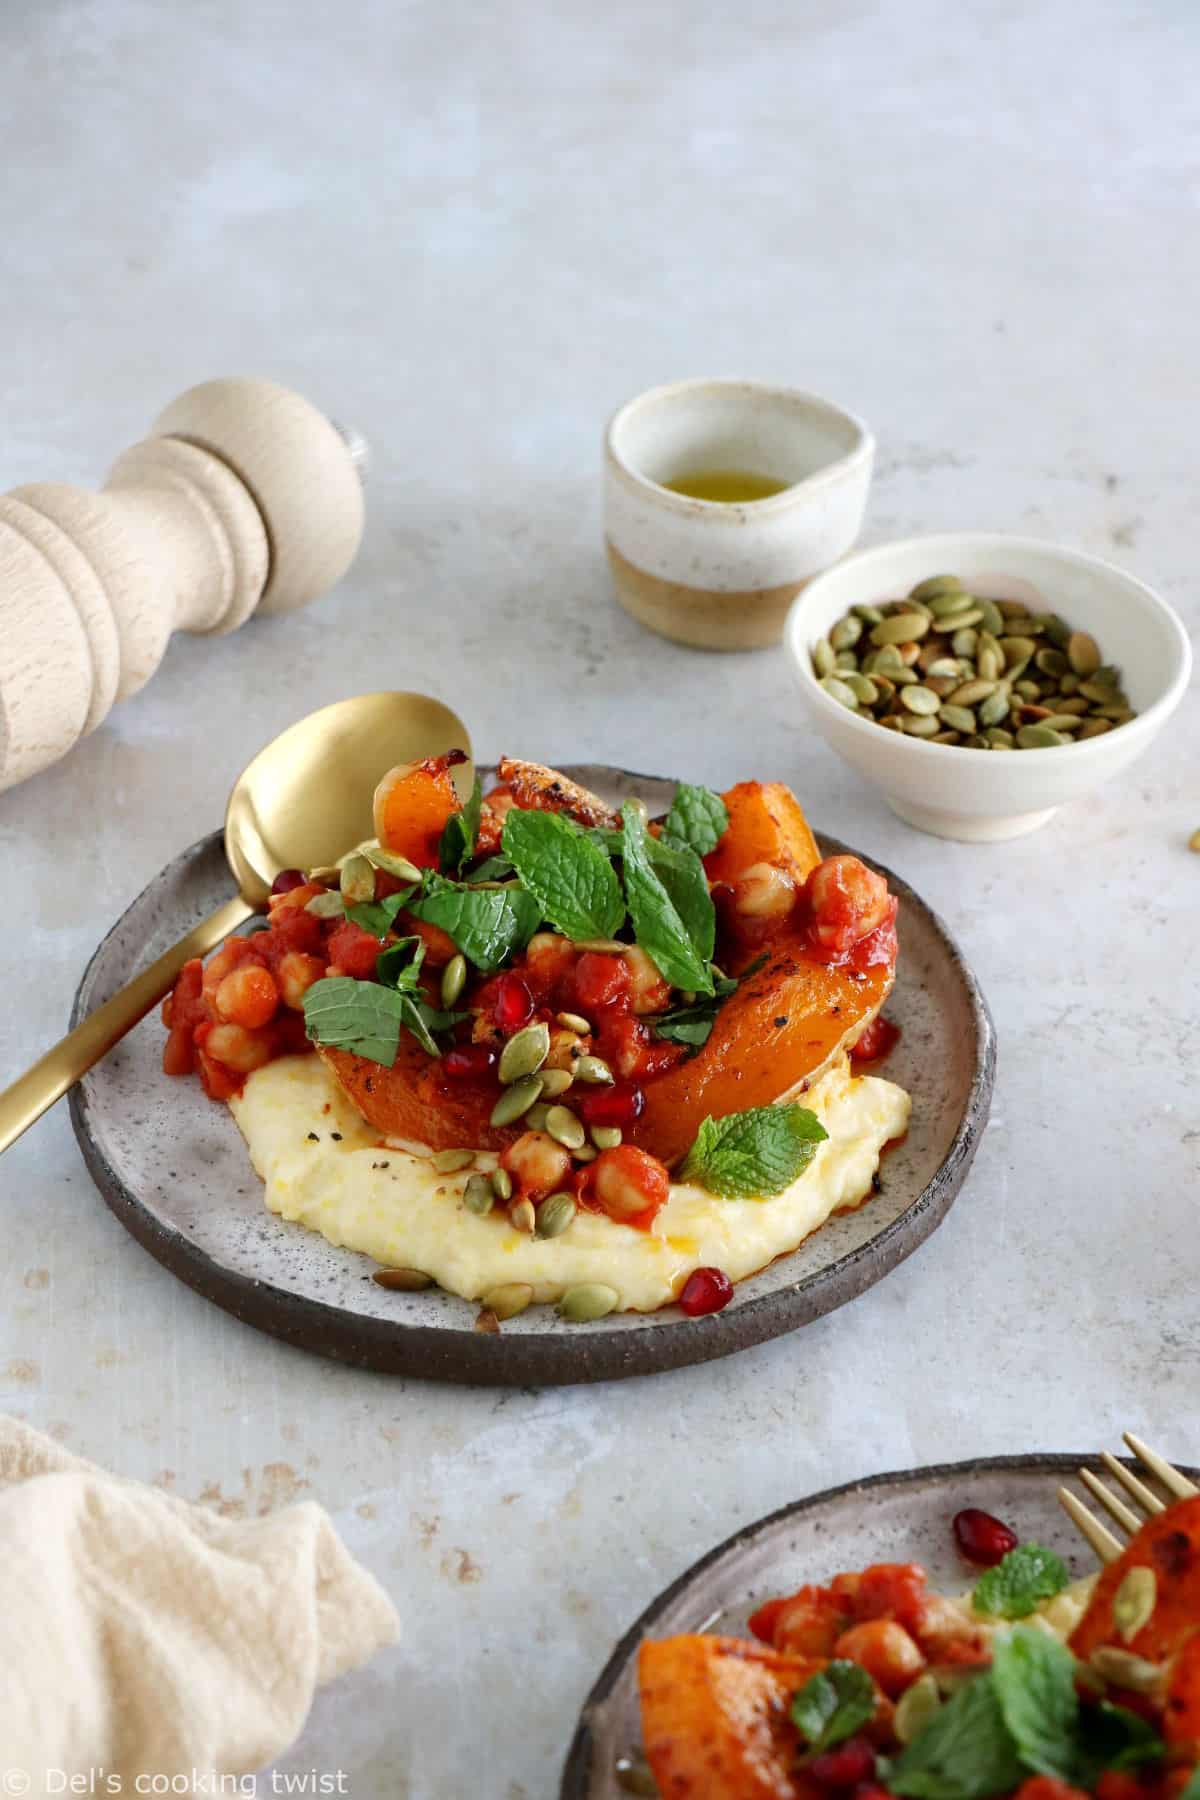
(174, 1169)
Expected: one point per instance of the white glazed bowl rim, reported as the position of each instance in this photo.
(1138, 730)
(862, 450)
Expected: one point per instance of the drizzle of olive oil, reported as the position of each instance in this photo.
(729, 487)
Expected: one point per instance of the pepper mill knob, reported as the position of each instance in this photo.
(245, 498)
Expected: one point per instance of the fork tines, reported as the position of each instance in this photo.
(1106, 1545)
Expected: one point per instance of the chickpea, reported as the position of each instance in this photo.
(566, 1047)
(764, 891)
(295, 974)
(848, 901)
(238, 1049)
(649, 991)
(248, 996)
(886, 1651)
(537, 1165)
(549, 957)
(628, 1182)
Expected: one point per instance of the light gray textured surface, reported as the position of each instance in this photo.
(473, 234)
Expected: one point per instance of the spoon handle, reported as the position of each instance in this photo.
(61, 1067)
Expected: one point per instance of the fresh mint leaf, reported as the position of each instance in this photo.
(966, 1751)
(399, 966)
(1115, 1738)
(693, 1024)
(608, 838)
(748, 1155)
(1034, 1678)
(378, 916)
(698, 818)
(423, 1020)
(354, 1015)
(657, 923)
(457, 845)
(492, 868)
(571, 878)
(486, 924)
(1017, 1585)
(682, 875)
(833, 1705)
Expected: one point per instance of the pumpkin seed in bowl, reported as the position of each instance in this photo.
(954, 668)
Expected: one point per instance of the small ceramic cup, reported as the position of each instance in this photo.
(712, 574)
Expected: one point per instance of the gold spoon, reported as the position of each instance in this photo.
(303, 802)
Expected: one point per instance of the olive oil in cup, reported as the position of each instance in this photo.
(722, 498)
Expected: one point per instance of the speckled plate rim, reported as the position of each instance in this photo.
(514, 1360)
(578, 1770)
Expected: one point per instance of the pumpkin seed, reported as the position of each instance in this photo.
(555, 1214)
(327, 876)
(502, 1184)
(915, 606)
(892, 722)
(535, 1118)
(846, 633)
(909, 653)
(921, 725)
(945, 665)
(1134, 1602)
(479, 1196)
(1011, 609)
(934, 586)
(946, 737)
(326, 906)
(588, 1300)
(1050, 662)
(1028, 690)
(886, 660)
(594, 1070)
(971, 692)
(965, 643)
(406, 1281)
(1193, 844)
(565, 1128)
(945, 606)
(607, 1137)
(942, 685)
(487, 1322)
(990, 663)
(845, 659)
(1108, 673)
(454, 980)
(919, 699)
(1069, 683)
(993, 618)
(838, 690)
(870, 615)
(1028, 626)
(585, 1155)
(884, 688)
(1058, 721)
(575, 1021)
(901, 628)
(1125, 1670)
(525, 1051)
(357, 880)
(903, 677)
(448, 1162)
(916, 1707)
(1038, 737)
(1083, 652)
(1032, 714)
(864, 689)
(555, 1082)
(1099, 691)
(390, 863)
(1058, 632)
(516, 1100)
(999, 739)
(509, 1299)
(978, 742)
(1118, 713)
(1095, 728)
(1017, 649)
(994, 707)
(1076, 704)
(957, 718)
(824, 660)
(523, 1217)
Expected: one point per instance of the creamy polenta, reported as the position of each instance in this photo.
(324, 1167)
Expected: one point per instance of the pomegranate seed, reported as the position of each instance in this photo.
(705, 1291)
(845, 1767)
(513, 1005)
(871, 1790)
(469, 1062)
(620, 1105)
(981, 1538)
(287, 879)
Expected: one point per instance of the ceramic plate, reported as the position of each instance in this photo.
(174, 1169)
(890, 1518)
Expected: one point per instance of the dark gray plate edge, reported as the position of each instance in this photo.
(513, 1360)
(578, 1768)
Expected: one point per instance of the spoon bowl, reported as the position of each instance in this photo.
(303, 802)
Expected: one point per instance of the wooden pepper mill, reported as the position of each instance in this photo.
(243, 499)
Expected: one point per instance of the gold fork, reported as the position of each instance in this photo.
(1107, 1546)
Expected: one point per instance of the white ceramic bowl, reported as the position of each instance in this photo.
(981, 795)
(722, 576)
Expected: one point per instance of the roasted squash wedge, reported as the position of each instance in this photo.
(715, 1717)
(413, 1099)
(765, 825)
(1168, 1544)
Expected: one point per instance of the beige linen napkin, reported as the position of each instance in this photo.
(143, 1636)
